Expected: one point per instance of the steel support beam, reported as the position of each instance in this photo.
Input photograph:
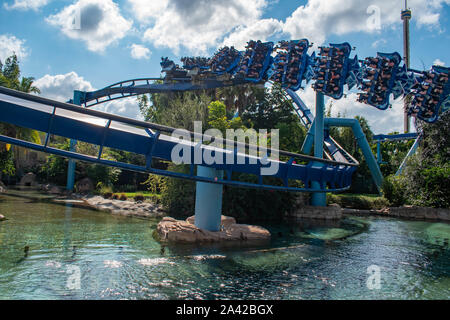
(363, 144)
(319, 199)
(208, 200)
(77, 95)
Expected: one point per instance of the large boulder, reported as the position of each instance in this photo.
(2, 187)
(173, 230)
(28, 180)
(84, 186)
(2, 218)
(411, 212)
(332, 212)
(55, 190)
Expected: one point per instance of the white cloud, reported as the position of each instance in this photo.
(10, 44)
(127, 107)
(319, 18)
(26, 4)
(261, 30)
(438, 62)
(60, 87)
(379, 43)
(100, 23)
(140, 52)
(380, 121)
(197, 24)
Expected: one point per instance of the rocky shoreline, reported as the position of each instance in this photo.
(406, 212)
(125, 208)
(151, 210)
(172, 230)
(2, 187)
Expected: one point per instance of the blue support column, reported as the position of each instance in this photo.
(379, 159)
(208, 200)
(73, 143)
(411, 152)
(71, 168)
(319, 199)
(363, 144)
(309, 141)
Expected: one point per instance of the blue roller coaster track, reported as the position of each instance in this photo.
(376, 77)
(153, 141)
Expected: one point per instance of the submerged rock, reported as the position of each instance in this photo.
(125, 208)
(173, 230)
(412, 212)
(332, 212)
(28, 180)
(2, 187)
(84, 186)
(2, 218)
(55, 190)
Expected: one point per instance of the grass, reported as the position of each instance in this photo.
(358, 201)
(134, 194)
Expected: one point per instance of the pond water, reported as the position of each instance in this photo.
(59, 251)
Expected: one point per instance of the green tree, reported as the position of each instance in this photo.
(10, 77)
(427, 175)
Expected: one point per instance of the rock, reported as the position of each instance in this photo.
(411, 212)
(125, 208)
(173, 230)
(332, 212)
(28, 180)
(225, 221)
(55, 190)
(2, 187)
(84, 186)
(2, 218)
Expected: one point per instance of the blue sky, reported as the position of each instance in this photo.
(124, 39)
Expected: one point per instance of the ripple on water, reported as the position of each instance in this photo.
(119, 259)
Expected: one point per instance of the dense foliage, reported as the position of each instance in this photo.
(10, 77)
(425, 182)
(267, 109)
(427, 177)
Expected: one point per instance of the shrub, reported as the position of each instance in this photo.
(358, 201)
(99, 173)
(104, 189)
(115, 197)
(123, 197)
(394, 190)
(178, 198)
(139, 197)
(107, 195)
(429, 186)
(427, 175)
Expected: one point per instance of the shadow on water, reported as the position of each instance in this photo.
(32, 195)
(308, 259)
(26, 250)
(284, 236)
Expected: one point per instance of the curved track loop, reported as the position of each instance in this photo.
(153, 141)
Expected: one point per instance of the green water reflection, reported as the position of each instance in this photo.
(118, 258)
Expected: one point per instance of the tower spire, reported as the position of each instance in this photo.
(406, 16)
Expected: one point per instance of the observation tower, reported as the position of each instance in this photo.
(406, 16)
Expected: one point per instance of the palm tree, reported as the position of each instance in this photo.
(10, 78)
(239, 97)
